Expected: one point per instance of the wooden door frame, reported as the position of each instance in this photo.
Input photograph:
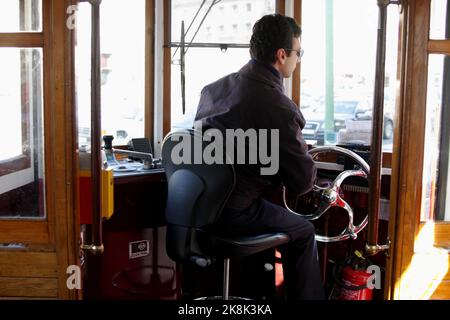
(38, 270)
(408, 148)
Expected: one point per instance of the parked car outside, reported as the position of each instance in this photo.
(344, 109)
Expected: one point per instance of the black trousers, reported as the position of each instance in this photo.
(299, 256)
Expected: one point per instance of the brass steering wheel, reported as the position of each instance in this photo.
(331, 196)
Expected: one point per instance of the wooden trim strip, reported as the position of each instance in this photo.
(22, 40)
(167, 69)
(394, 159)
(439, 46)
(49, 113)
(406, 185)
(28, 287)
(11, 166)
(26, 232)
(296, 75)
(68, 239)
(280, 6)
(28, 264)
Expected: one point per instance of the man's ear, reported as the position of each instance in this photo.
(280, 55)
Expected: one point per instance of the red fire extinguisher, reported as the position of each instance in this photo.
(352, 277)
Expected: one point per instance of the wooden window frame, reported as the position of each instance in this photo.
(32, 230)
(52, 244)
(409, 139)
(17, 163)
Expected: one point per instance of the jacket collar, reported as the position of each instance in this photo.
(263, 73)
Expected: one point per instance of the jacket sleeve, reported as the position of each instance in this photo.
(297, 168)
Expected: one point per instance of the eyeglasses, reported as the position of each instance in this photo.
(299, 53)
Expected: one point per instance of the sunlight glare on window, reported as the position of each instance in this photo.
(22, 156)
(437, 19)
(11, 119)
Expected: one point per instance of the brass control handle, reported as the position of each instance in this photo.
(93, 249)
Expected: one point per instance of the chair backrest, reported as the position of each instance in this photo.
(197, 193)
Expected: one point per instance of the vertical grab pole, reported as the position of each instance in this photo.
(372, 246)
(329, 74)
(96, 160)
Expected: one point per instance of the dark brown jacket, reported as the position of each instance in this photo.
(254, 98)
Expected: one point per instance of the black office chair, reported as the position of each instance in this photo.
(197, 194)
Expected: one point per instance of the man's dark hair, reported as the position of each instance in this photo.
(270, 33)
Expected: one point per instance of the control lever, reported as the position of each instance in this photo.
(108, 151)
(147, 158)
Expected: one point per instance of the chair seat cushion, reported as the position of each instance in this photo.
(245, 246)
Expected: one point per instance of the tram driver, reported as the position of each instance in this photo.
(254, 97)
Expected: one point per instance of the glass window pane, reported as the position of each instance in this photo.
(224, 22)
(216, 63)
(20, 15)
(438, 20)
(435, 190)
(22, 184)
(122, 70)
(236, 19)
(338, 71)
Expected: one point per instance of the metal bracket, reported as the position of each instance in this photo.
(374, 249)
